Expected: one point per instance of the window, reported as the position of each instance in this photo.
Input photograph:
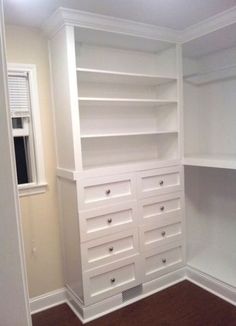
(26, 128)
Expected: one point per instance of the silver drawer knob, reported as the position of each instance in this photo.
(113, 280)
(164, 260)
(161, 183)
(108, 191)
(109, 221)
(162, 208)
(163, 233)
(111, 249)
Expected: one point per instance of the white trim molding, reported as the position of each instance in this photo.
(48, 300)
(64, 16)
(211, 284)
(94, 311)
(39, 184)
(212, 24)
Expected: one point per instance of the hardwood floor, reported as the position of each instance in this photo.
(183, 304)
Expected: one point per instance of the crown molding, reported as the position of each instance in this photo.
(212, 24)
(63, 16)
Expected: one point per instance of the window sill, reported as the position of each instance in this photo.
(32, 189)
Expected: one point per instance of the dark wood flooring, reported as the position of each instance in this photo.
(184, 304)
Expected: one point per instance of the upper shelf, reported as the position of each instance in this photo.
(109, 76)
(211, 160)
(212, 76)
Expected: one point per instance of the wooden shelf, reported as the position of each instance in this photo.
(124, 101)
(128, 134)
(109, 76)
(211, 160)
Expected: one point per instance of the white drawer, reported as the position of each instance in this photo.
(104, 221)
(159, 181)
(111, 279)
(162, 260)
(155, 235)
(105, 190)
(109, 249)
(166, 208)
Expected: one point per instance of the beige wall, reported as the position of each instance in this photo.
(39, 212)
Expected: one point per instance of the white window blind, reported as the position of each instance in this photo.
(19, 94)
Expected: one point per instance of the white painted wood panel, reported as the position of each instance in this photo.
(105, 190)
(163, 260)
(160, 181)
(66, 111)
(111, 279)
(109, 249)
(70, 236)
(161, 208)
(108, 220)
(159, 234)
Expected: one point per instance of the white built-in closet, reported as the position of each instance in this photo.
(129, 126)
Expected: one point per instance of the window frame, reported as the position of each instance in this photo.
(39, 185)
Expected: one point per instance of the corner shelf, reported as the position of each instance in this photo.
(221, 73)
(211, 160)
(109, 76)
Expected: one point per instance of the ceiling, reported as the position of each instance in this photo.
(175, 14)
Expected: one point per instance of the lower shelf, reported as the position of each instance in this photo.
(217, 263)
(211, 160)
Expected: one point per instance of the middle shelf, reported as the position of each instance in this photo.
(84, 136)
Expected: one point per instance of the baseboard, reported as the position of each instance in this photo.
(86, 314)
(48, 300)
(106, 306)
(211, 284)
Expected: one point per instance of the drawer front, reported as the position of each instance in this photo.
(105, 190)
(109, 249)
(159, 181)
(111, 279)
(164, 208)
(161, 261)
(105, 221)
(152, 236)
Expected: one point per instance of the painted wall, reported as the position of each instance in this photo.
(39, 212)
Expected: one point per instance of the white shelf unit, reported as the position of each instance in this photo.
(210, 155)
(136, 107)
(209, 115)
(117, 119)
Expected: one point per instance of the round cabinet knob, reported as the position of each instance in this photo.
(109, 221)
(111, 249)
(163, 233)
(108, 191)
(113, 280)
(162, 208)
(161, 183)
(164, 260)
